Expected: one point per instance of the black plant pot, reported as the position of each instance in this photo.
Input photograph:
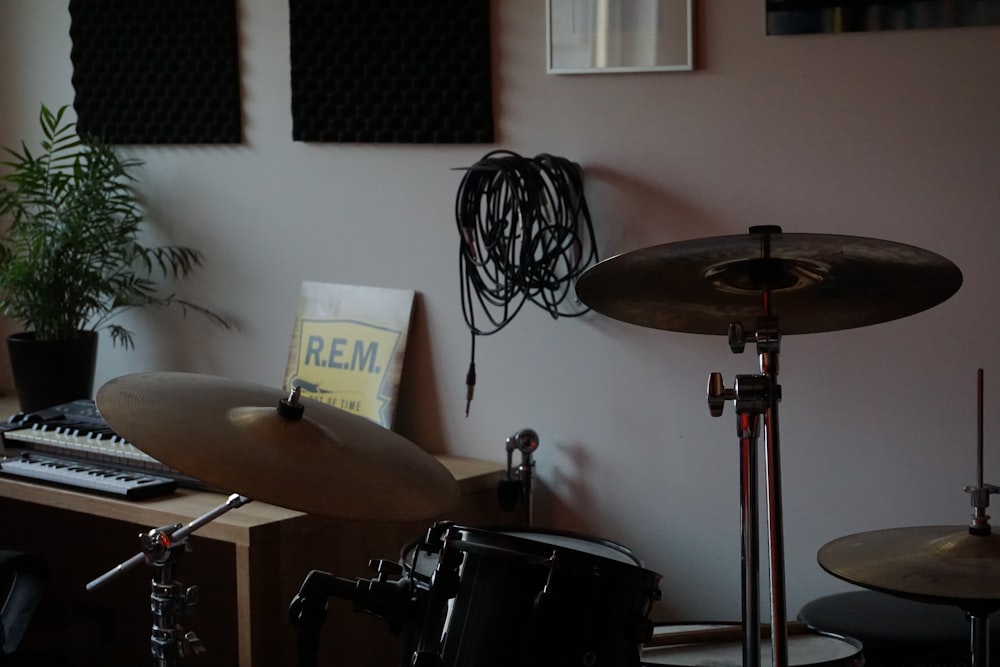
(50, 372)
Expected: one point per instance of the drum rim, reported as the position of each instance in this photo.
(854, 642)
(576, 535)
(583, 537)
(469, 547)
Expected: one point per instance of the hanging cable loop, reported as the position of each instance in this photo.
(526, 235)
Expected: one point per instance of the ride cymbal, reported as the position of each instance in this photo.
(814, 282)
(230, 435)
(942, 564)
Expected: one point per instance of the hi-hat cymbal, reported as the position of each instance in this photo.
(942, 564)
(815, 282)
(229, 435)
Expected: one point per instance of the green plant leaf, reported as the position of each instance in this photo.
(71, 258)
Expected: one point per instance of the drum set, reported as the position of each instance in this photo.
(462, 596)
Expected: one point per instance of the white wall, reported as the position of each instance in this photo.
(889, 135)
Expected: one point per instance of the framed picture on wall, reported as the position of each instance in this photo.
(606, 36)
(797, 17)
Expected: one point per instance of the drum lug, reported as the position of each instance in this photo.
(436, 533)
(445, 579)
(444, 583)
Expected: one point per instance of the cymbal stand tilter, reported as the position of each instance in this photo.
(755, 396)
(162, 548)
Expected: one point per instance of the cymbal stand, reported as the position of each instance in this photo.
(754, 396)
(162, 548)
(979, 495)
(748, 428)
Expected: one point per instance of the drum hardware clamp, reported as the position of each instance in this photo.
(515, 489)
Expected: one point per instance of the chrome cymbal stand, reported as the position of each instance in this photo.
(979, 496)
(754, 396)
(162, 548)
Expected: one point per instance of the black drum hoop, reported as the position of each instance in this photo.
(512, 533)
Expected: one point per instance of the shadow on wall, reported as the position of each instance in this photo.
(630, 199)
(567, 500)
(419, 413)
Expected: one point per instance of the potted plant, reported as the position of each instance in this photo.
(71, 259)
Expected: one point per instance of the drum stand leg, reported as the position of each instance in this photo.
(753, 396)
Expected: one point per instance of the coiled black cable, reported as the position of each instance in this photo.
(526, 235)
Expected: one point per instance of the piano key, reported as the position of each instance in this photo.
(89, 477)
(78, 432)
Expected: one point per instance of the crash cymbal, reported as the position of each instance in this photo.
(816, 282)
(230, 435)
(943, 564)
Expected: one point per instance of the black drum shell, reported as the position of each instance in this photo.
(525, 597)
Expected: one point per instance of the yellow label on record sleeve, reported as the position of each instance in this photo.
(347, 364)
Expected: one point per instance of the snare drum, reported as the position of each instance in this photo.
(812, 649)
(531, 598)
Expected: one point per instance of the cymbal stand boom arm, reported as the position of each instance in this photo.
(161, 548)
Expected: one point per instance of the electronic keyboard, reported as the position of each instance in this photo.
(71, 444)
(101, 478)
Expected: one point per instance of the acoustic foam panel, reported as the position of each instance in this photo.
(156, 71)
(391, 71)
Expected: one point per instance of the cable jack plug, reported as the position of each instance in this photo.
(470, 387)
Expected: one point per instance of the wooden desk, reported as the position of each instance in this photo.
(248, 564)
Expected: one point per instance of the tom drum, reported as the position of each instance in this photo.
(529, 597)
